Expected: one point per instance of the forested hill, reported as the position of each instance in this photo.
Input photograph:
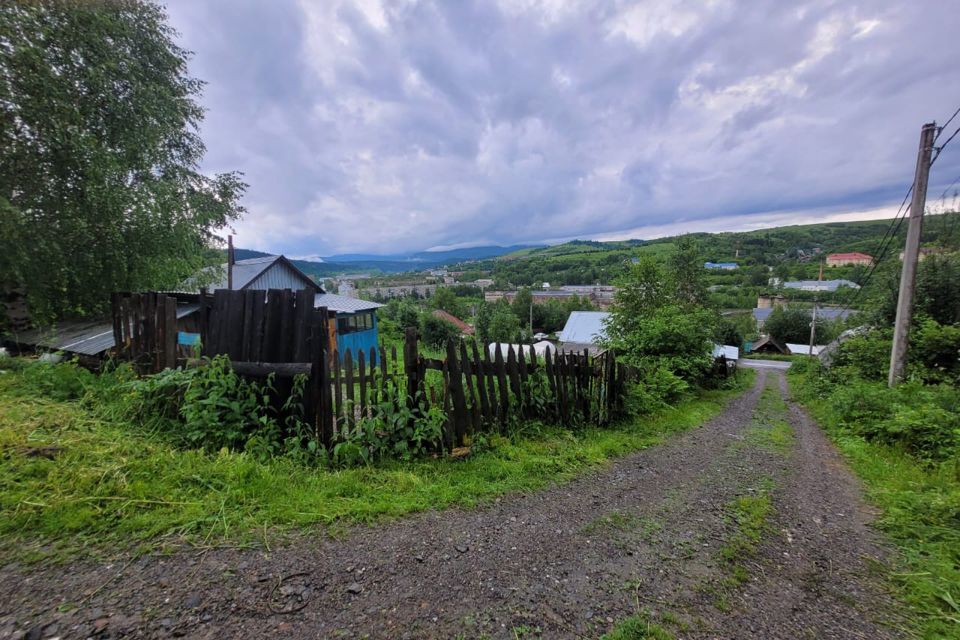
(587, 261)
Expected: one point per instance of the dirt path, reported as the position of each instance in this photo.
(655, 532)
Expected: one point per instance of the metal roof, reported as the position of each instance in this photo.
(267, 272)
(343, 304)
(83, 337)
(823, 285)
(584, 327)
(727, 351)
(804, 349)
(823, 313)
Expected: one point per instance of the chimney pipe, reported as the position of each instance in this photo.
(230, 261)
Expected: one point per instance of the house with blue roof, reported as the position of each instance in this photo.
(723, 266)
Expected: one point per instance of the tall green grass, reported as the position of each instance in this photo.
(109, 482)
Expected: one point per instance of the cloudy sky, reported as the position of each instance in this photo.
(382, 127)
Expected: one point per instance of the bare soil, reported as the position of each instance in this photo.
(644, 534)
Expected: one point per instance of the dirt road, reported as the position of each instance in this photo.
(749, 527)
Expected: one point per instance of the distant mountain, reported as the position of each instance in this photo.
(429, 258)
(390, 263)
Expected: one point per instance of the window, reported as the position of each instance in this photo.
(354, 323)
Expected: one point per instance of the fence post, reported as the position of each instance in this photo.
(170, 333)
(411, 365)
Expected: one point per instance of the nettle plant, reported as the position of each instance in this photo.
(394, 429)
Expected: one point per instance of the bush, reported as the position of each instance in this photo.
(57, 381)
(657, 388)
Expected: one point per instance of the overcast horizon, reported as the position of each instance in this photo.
(368, 127)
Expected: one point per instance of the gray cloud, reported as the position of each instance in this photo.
(389, 126)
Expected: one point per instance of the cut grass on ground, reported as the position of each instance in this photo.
(109, 485)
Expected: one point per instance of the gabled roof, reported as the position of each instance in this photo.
(245, 272)
(585, 327)
(853, 255)
(768, 341)
(823, 313)
(462, 326)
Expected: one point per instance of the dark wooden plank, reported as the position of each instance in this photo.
(257, 326)
(303, 311)
(170, 334)
(374, 399)
(136, 346)
(524, 386)
(338, 411)
(322, 347)
(349, 381)
(362, 370)
(552, 381)
(481, 376)
(384, 373)
(285, 343)
(246, 341)
(514, 375)
(489, 374)
(561, 375)
(455, 385)
(473, 405)
(502, 385)
(269, 350)
(411, 365)
(449, 436)
(237, 304)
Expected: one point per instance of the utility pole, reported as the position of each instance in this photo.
(813, 321)
(908, 277)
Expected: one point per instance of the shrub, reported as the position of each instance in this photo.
(57, 381)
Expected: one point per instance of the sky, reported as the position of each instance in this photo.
(385, 127)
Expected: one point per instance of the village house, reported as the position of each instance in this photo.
(820, 285)
(464, 328)
(849, 259)
(722, 266)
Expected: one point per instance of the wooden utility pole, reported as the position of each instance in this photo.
(908, 276)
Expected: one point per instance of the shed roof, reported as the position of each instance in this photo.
(82, 337)
(827, 285)
(585, 327)
(343, 304)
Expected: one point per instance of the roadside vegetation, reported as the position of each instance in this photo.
(87, 468)
(904, 442)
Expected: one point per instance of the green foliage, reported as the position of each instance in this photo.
(446, 299)
(897, 442)
(672, 338)
(437, 331)
(393, 431)
(118, 483)
(933, 355)
(729, 332)
(100, 152)
(504, 325)
(789, 324)
(937, 290)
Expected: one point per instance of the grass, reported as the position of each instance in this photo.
(770, 429)
(638, 627)
(111, 485)
(920, 513)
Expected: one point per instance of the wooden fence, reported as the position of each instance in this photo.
(145, 330)
(279, 332)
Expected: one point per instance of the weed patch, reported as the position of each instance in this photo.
(919, 500)
(770, 429)
(115, 484)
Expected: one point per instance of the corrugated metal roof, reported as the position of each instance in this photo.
(823, 313)
(804, 349)
(268, 272)
(343, 304)
(823, 285)
(584, 327)
(726, 350)
(83, 337)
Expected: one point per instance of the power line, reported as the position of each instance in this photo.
(946, 124)
(941, 147)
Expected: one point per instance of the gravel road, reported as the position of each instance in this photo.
(649, 533)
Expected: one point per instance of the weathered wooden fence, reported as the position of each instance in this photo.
(145, 330)
(279, 332)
